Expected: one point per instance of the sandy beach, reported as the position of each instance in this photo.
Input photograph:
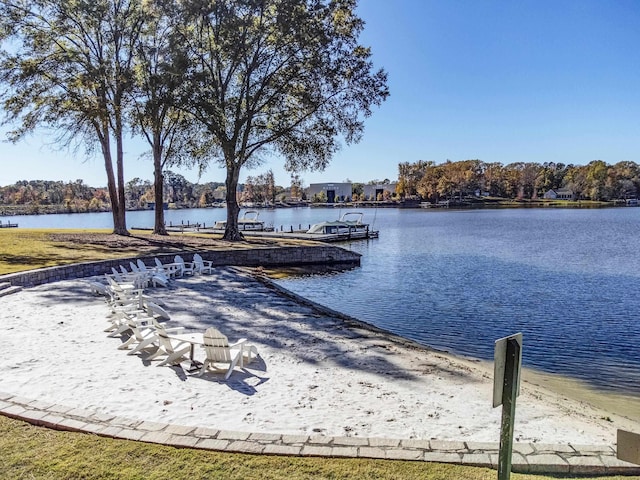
(316, 373)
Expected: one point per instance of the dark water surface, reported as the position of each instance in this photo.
(568, 279)
(458, 280)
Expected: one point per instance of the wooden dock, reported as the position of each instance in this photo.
(8, 225)
(290, 234)
(316, 237)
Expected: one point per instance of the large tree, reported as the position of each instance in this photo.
(66, 64)
(276, 76)
(173, 137)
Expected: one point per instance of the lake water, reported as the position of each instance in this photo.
(568, 279)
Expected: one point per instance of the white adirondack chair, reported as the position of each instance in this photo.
(175, 353)
(186, 268)
(200, 265)
(169, 269)
(155, 276)
(220, 352)
(150, 338)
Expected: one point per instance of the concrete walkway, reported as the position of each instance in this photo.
(527, 457)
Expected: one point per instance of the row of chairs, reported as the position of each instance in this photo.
(197, 266)
(142, 276)
(136, 317)
(140, 321)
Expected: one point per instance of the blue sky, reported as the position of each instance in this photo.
(530, 81)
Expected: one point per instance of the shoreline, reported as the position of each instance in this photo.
(626, 406)
(317, 373)
(6, 210)
(615, 403)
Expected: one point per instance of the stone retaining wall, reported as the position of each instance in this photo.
(255, 257)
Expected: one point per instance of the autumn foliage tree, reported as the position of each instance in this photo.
(519, 180)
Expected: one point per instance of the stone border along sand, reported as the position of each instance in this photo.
(527, 457)
(256, 257)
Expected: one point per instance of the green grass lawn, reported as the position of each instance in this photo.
(29, 452)
(26, 249)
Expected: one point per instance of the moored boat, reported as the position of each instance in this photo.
(350, 223)
(249, 221)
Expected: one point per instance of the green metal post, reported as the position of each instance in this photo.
(509, 392)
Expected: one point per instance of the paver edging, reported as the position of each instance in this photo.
(566, 459)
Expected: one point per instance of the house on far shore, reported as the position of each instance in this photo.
(332, 192)
(560, 194)
(381, 191)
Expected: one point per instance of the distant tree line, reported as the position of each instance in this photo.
(44, 196)
(178, 191)
(456, 180)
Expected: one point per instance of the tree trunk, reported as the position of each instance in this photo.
(111, 185)
(111, 179)
(232, 232)
(158, 189)
(120, 225)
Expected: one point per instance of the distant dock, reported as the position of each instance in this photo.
(8, 225)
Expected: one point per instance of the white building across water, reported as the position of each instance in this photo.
(330, 192)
